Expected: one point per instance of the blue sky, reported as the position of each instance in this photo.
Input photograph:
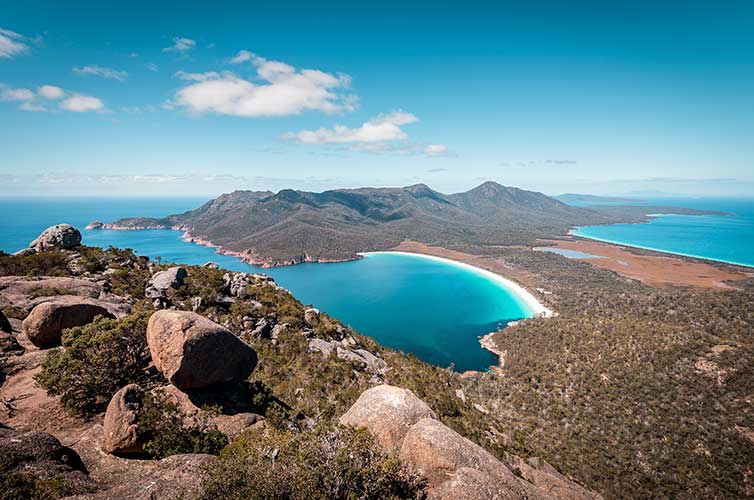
(184, 98)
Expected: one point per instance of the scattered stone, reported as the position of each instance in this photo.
(192, 351)
(278, 330)
(237, 284)
(387, 412)
(323, 346)
(311, 317)
(95, 224)
(61, 236)
(121, 421)
(162, 281)
(5, 324)
(263, 329)
(45, 324)
(196, 303)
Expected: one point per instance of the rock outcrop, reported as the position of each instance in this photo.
(121, 422)
(162, 281)
(387, 412)
(95, 224)
(45, 324)
(38, 456)
(311, 317)
(454, 467)
(192, 351)
(60, 236)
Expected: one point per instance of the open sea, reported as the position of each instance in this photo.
(723, 238)
(432, 309)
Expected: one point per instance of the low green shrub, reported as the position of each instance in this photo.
(162, 428)
(327, 462)
(96, 360)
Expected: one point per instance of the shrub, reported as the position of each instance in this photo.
(326, 462)
(96, 360)
(161, 427)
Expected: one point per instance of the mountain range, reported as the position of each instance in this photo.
(294, 226)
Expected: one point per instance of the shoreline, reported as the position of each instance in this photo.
(658, 250)
(537, 309)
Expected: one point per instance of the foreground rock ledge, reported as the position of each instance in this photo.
(455, 468)
(193, 352)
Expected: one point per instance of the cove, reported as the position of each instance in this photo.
(434, 309)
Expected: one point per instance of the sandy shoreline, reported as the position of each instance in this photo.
(535, 306)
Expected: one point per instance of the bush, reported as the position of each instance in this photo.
(161, 427)
(96, 360)
(326, 462)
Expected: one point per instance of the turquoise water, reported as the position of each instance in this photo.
(723, 238)
(432, 309)
(571, 254)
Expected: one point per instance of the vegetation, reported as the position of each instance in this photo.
(15, 485)
(164, 433)
(327, 462)
(98, 359)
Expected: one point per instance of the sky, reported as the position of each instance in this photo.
(196, 98)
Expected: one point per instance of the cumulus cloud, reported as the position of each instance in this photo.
(279, 89)
(82, 104)
(112, 74)
(41, 100)
(12, 44)
(379, 135)
(379, 129)
(180, 45)
(152, 67)
(50, 92)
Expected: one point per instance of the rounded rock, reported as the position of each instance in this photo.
(192, 352)
(45, 323)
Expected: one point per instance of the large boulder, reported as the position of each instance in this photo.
(39, 456)
(192, 351)
(387, 412)
(46, 322)
(121, 423)
(436, 451)
(61, 236)
(311, 316)
(5, 324)
(162, 281)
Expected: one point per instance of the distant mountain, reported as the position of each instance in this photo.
(590, 199)
(297, 226)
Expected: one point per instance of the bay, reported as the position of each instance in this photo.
(432, 309)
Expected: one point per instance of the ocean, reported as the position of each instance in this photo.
(431, 309)
(723, 238)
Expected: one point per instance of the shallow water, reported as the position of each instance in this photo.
(432, 309)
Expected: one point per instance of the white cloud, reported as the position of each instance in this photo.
(82, 104)
(10, 94)
(280, 90)
(50, 92)
(180, 44)
(436, 149)
(152, 67)
(112, 74)
(12, 44)
(40, 100)
(379, 135)
(379, 129)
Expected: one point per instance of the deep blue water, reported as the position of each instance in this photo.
(723, 238)
(432, 309)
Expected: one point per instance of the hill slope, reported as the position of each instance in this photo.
(294, 226)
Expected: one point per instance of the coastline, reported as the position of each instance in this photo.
(537, 309)
(671, 253)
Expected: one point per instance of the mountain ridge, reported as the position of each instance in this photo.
(293, 226)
